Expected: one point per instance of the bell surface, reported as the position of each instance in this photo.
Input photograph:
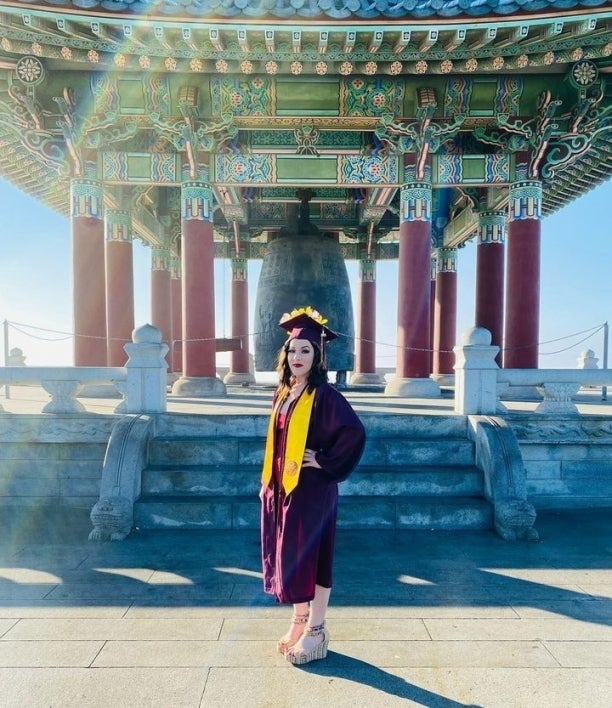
(300, 270)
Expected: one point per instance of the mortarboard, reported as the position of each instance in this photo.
(307, 323)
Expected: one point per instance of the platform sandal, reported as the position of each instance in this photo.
(284, 644)
(298, 656)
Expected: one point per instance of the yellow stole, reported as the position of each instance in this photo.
(296, 442)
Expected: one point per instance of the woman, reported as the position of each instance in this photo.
(314, 441)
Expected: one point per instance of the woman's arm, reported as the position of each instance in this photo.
(336, 436)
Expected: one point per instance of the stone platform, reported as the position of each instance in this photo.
(56, 459)
(257, 400)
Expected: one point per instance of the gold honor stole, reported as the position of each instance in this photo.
(296, 442)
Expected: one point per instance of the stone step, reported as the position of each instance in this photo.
(365, 481)
(416, 472)
(185, 426)
(223, 450)
(354, 512)
(390, 452)
(435, 452)
(418, 512)
(219, 512)
(414, 481)
(201, 480)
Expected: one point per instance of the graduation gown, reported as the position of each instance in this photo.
(298, 529)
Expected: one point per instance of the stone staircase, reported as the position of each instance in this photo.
(417, 471)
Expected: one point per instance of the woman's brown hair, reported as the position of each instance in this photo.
(316, 376)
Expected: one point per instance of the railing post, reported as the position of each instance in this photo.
(146, 371)
(604, 389)
(5, 324)
(476, 373)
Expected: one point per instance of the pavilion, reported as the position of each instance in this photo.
(411, 127)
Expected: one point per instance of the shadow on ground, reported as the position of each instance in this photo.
(380, 569)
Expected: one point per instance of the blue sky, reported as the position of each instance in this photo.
(576, 290)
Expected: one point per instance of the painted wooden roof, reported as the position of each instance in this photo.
(349, 62)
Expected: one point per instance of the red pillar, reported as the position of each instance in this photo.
(365, 355)
(489, 311)
(523, 276)
(89, 281)
(445, 313)
(432, 299)
(197, 264)
(413, 314)
(239, 358)
(199, 352)
(176, 286)
(413, 300)
(119, 285)
(161, 295)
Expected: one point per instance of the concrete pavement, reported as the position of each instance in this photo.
(178, 618)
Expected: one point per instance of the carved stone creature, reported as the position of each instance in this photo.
(126, 456)
(111, 518)
(514, 520)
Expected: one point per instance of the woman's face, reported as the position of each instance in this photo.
(300, 355)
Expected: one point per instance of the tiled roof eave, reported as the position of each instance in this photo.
(288, 11)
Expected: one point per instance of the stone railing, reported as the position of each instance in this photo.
(141, 383)
(480, 383)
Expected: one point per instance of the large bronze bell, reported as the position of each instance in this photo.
(303, 267)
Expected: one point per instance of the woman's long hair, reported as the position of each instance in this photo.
(316, 376)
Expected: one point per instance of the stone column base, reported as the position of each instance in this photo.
(172, 377)
(199, 387)
(358, 379)
(238, 379)
(444, 379)
(413, 388)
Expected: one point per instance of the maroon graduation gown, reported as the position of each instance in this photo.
(298, 529)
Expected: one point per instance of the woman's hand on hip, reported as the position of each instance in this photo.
(309, 459)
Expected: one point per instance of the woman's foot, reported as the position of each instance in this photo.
(312, 645)
(298, 624)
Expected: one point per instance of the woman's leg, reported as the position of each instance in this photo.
(318, 606)
(299, 622)
(310, 640)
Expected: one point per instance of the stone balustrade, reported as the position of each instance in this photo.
(63, 384)
(141, 383)
(479, 382)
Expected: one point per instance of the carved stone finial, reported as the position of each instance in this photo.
(147, 334)
(587, 359)
(479, 336)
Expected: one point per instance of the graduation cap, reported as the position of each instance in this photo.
(306, 323)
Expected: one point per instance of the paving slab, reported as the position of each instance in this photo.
(52, 653)
(132, 687)
(516, 629)
(111, 628)
(581, 654)
(44, 609)
(589, 609)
